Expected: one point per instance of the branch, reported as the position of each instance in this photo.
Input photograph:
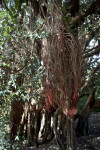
(94, 8)
(94, 32)
(14, 71)
(17, 70)
(91, 97)
(5, 6)
(92, 52)
(11, 70)
(90, 80)
(95, 69)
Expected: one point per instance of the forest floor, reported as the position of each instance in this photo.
(89, 142)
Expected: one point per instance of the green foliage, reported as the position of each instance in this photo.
(21, 72)
(82, 102)
(4, 121)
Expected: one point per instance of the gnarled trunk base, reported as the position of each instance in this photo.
(65, 137)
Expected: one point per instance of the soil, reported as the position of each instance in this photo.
(89, 142)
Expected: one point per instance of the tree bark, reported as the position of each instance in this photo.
(67, 130)
(82, 125)
(71, 138)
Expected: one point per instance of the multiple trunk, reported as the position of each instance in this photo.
(65, 134)
(63, 126)
(39, 126)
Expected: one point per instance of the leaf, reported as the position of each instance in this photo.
(68, 14)
(23, 4)
(13, 9)
(4, 64)
(11, 14)
(16, 4)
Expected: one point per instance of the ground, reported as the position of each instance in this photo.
(89, 142)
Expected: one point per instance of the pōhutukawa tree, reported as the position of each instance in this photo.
(62, 41)
(62, 56)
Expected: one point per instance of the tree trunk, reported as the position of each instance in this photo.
(16, 116)
(37, 125)
(47, 128)
(68, 132)
(82, 125)
(71, 138)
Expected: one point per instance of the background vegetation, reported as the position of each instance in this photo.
(22, 70)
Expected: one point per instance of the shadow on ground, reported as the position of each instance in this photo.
(89, 142)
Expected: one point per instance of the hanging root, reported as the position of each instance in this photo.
(62, 58)
(59, 141)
